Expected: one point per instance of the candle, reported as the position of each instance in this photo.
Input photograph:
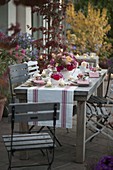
(44, 73)
(41, 57)
(77, 56)
(61, 50)
(49, 84)
(92, 56)
(84, 64)
(61, 82)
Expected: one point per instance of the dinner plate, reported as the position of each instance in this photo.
(39, 82)
(94, 74)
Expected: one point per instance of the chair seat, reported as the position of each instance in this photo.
(97, 100)
(28, 141)
(98, 122)
(28, 112)
(100, 100)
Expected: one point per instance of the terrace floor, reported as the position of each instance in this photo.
(65, 154)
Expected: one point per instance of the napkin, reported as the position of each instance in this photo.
(93, 74)
(83, 82)
(64, 95)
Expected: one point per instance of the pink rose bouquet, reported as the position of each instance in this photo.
(63, 60)
(56, 76)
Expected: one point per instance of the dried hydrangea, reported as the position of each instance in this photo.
(105, 163)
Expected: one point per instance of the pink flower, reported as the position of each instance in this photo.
(23, 51)
(56, 76)
(17, 47)
(63, 60)
(16, 55)
(59, 68)
(10, 52)
(70, 67)
(80, 76)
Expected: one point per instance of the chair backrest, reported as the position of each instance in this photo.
(32, 67)
(110, 72)
(18, 74)
(33, 112)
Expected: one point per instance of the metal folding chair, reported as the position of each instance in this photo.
(35, 141)
(99, 111)
(106, 98)
(98, 121)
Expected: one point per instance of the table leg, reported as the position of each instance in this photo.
(81, 131)
(23, 128)
(100, 89)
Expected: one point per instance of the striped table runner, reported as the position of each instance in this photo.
(64, 95)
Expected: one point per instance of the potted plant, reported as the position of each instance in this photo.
(3, 93)
(10, 53)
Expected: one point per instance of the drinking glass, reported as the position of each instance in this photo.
(91, 65)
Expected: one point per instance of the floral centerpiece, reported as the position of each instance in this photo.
(63, 61)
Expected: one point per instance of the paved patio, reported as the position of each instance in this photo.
(64, 155)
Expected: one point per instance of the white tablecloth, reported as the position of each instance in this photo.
(64, 95)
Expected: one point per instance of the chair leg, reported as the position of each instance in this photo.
(51, 133)
(49, 162)
(55, 136)
(9, 168)
(10, 160)
(49, 168)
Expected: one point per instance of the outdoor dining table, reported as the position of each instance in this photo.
(80, 95)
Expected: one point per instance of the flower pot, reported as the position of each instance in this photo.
(2, 104)
(55, 77)
(66, 74)
(54, 82)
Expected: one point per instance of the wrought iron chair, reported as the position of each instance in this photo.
(99, 111)
(98, 121)
(35, 141)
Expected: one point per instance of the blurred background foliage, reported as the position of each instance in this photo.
(108, 4)
(82, 6)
